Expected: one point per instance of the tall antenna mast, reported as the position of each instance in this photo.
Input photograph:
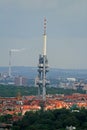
(45, 37)
(45, 22)
(43, 68)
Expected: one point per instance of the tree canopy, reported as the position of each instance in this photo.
(52, 120)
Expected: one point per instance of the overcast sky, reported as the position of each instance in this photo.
(21, 26)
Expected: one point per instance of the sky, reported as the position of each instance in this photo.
(21, 28)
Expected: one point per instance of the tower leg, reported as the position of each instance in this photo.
(44, 93)
(44, 78)
(38, 91)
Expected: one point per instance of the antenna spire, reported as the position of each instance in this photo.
(45, 37)
(45, 22)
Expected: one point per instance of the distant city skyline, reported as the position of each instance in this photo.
(21, 27)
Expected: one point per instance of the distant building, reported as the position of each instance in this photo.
(70, 128)
(20, 81)
(71, 79)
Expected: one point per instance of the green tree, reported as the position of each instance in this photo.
(6, 118)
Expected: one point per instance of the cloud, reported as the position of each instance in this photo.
(37, 4)
(69, 52)
(75, 5)
(22, 17)
(29, 4)
(59, 7)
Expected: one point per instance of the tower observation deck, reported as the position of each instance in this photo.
(43, 68)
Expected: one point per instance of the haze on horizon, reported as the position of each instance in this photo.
(21, 26)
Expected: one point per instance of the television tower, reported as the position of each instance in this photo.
(43, 67)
